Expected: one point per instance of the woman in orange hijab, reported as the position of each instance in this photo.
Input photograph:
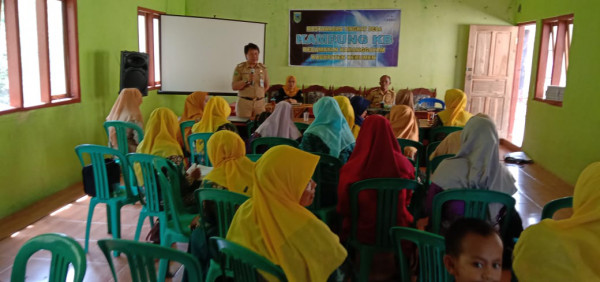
(289, 92)
(405, 125)
(126, 108)
(192, 110)
(455, 113)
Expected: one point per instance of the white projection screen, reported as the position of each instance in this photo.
(200, 54)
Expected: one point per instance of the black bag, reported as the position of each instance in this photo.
(113, 171)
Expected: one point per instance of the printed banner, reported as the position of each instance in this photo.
(344, 38)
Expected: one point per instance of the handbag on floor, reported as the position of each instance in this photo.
(113, 171)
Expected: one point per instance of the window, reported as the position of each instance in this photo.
(554, 55)
(39, 64)
(149, 42)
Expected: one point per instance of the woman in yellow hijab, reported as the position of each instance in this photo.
(275, 225)
(405, 125)
(569, 249)
(348, 113)
(194, 106)
(232, 169)
(161, 134)
(215, 114)
(289, 92)
(455, 113)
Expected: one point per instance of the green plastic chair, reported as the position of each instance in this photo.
(440, 132)
(431, 148)
(176, 225)
(245, 263)
(431, 248)
(121, 131)
(254, 157)
(225, 205)
(198, 155)
(122, 195)
(272, 141)
(301, 126)
(182, 127)
(326, 175)
(141, 256)
(433, 164)
(417, 145)
(151, 196)
(251, 126)
(387, 201)
(551, 207)
(476, 205)
(65, 250)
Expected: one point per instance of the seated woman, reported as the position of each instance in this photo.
(359, 105)
(279, 124)
(275, 223)
(405, 125)
(405, 97)
(348, 113)
(289, 92)
(568, 249)
(475, 166)
(329, 133)
(215, 115)
(193, 108)
(450, 145)
(455, 113)
(126, 108)
(162, 130)
(232, 171)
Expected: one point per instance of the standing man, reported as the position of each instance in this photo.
(250, 79)
(382, 94)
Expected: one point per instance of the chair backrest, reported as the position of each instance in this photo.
(431, 103)
(182, 127)
(431, 148)
(431, 248)
(225, 205)
(387, 190)
(434, 163)
(244, 262)
(169, 180)
(254, 157)
(440, 132)
(121, 132)
(367, 91)
(301, 126)
(199, 148)
(314, 92)
(271, 142)
(551, 207)
(141, 256)
(97, 154)
(347, 91)
(152, 197)
(327, 176)
(476, 203)
(272, 91)
(417, 145)
(65, 250)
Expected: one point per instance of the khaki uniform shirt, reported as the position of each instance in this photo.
(376, 96)
(242, 73)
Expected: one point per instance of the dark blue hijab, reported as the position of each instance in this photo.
(360, 105)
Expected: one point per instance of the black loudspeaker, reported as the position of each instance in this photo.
(134, 71)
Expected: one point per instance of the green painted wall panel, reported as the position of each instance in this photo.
(564, 139)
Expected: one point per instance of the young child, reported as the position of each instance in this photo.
(473, 251)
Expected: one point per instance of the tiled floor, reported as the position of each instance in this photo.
(536, 187)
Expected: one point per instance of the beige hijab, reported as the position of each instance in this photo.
(405, 125)
(405, 97)
(450, 145)
(126, 108)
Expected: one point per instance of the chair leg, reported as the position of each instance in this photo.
(138, 229)
(115, 215)
(108, 219)
(89, 223)
(366, 257)
(163, 265)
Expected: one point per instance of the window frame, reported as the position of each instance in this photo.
(149, 16)
(561, 47)
(13, 49)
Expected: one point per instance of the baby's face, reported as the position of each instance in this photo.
(480, 259)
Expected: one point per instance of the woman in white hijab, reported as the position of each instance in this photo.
(279, 123)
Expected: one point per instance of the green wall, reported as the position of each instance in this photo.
(564, 139)
(433, 38)
(37, 146)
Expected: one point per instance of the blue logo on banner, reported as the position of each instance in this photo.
(297, 17)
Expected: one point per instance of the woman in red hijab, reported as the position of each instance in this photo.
(377, 154)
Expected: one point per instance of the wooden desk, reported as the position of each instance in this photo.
(297, 109)
(301, 120)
